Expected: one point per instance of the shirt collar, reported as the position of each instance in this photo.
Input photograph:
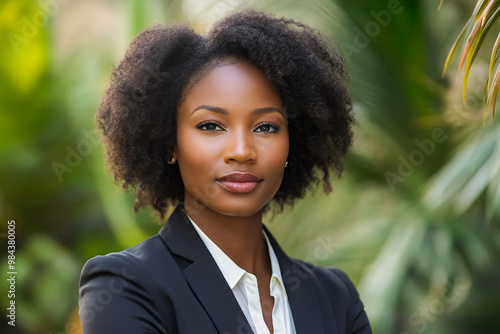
(275, 265)
(230, 270)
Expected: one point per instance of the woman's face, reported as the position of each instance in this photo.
(232, 141)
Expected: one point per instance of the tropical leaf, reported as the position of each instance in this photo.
(463, 180)
(484, 15)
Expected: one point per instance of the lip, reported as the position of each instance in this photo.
(240, 177)
(239, 182)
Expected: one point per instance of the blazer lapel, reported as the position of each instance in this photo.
(300, 285)
(203, 275)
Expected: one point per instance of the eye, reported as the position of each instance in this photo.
(267, 127)
(211, 126)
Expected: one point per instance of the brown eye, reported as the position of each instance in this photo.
(209, 126)
(267, 127)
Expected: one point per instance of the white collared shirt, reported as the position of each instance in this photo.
(245, 289)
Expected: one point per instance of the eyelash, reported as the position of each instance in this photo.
(203, 124)
(271, 125)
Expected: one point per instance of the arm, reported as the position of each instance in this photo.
(114, 298)
(357, 321)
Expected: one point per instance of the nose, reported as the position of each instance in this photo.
(240, 148)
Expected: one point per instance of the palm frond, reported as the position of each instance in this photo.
(493, 59)
(483, 26)
(455, 45)
(484, 15)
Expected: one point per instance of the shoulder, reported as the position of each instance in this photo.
(135, 258)
(340, 292)
(328, 278)
(125, 285)
(135, 267)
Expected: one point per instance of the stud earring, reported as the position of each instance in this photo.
(286, 163)
(171, 161)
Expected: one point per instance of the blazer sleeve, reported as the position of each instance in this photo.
(114, 298)
(357, 320)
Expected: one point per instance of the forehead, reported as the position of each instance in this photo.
(233, 80)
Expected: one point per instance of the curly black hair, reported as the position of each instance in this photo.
(137, 115)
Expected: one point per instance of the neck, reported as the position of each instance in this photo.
(240, 238)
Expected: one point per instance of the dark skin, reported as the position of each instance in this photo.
(233, 120)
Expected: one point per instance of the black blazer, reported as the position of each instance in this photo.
(170, 283)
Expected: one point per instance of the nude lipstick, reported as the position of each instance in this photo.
(239, 182)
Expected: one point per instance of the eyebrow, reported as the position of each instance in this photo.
(222, 111)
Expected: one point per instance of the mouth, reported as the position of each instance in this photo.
(239, 182)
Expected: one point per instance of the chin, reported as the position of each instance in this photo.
(233, 205)
(238, 209)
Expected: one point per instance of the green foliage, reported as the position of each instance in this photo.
(484, 15)
(414, 220)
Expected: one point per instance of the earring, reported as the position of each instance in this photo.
(286, 163)
(171, 161)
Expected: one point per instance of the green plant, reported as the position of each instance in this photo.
(484, 15)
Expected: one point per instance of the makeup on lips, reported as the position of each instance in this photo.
(239, 182)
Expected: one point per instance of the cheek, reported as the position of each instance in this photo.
(276, 154)
(194, 155)
(280, 148)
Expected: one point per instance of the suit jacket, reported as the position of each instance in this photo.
(170, 283)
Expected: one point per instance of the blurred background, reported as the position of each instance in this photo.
(414, 220)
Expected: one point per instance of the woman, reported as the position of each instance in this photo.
(221, 125)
